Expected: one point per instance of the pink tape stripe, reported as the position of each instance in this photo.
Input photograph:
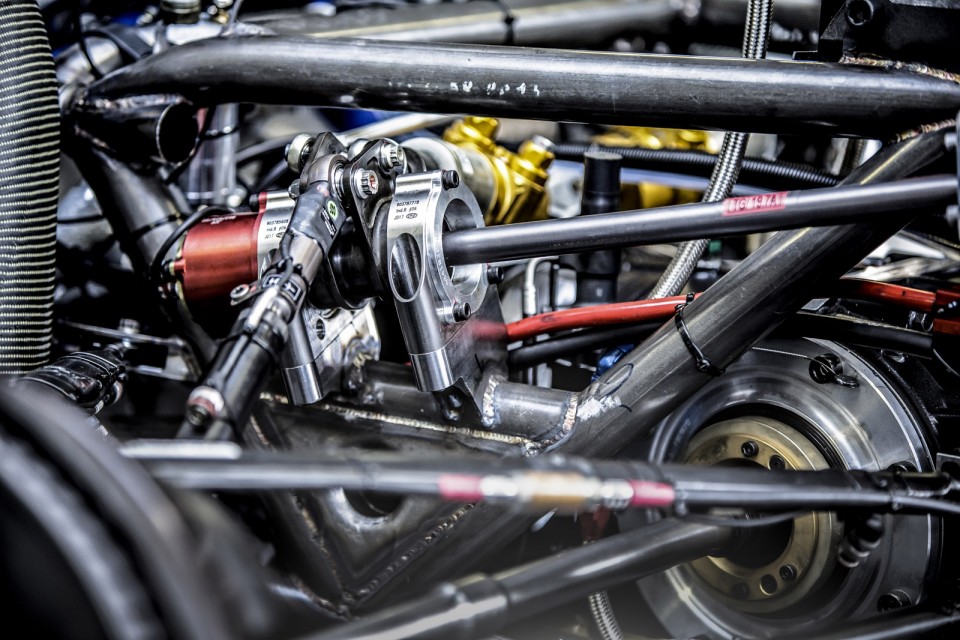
(460, 487)
(652, 494)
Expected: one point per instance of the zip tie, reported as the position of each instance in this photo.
(702, 361)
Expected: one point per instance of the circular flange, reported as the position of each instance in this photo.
(773, 567)
(864, 427)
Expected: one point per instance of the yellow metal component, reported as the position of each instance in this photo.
(518, 190)
(797, 556)
(652, 138)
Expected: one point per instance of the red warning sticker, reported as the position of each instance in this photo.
(755, 204)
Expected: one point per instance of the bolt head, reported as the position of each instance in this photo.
(392, 155)
(367, 183)
(462, 311)
(777, 463)
(495, 274)
(860, 12)
(298, 150)
(749, 449)
(450, 179)
(788, 572)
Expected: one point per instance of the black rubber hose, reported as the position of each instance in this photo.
(755, 171)
(95, 558)
(853, 331)
(29, 166)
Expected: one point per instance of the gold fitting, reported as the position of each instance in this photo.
(474, 131)
(566, 492)
(796, 557)
(532, 161)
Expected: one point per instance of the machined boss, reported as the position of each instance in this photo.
(423, 210)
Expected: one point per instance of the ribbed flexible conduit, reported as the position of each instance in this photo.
(29, 170)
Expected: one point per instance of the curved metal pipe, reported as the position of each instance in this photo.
(546, 84)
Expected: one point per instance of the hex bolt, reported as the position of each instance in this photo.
(904, 466)
(298, 150)
(860, 12)
(450, 179)
(367, 183)
(391, 155)
(788, 572)
(198, 415)
(494, 274)
(740, 591)
(777, 463)
(749, 449)
(239, 291)
(893, 600)
(462, 311)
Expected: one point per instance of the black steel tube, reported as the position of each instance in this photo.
(758, 172)
(478, 606)
(734, 216)
(546, 84)
(597, 271)
(907, 624)
(548, 482)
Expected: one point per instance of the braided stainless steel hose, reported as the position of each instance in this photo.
(725, 172)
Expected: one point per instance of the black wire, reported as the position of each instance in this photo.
(256, 151)
(156, 267)
(82, 42)
(579, 342)
(933, 505)
(743, 522)
(94, 218)
(178, 169)
(270, 177)
(802, 325)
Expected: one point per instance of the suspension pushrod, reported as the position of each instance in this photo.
(543, 483)
(734, 216)
(546, 84)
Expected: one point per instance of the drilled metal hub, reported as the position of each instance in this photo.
(774, 567)
(866, 425)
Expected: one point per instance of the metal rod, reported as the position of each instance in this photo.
(712, 93)
(542, 483)
(479, 605)
(734, 216)
(907, 624)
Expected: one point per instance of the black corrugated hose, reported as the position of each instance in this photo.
(771, 174)
(29, 173)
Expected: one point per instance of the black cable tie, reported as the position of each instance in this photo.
(508, 20)
(703, 362)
